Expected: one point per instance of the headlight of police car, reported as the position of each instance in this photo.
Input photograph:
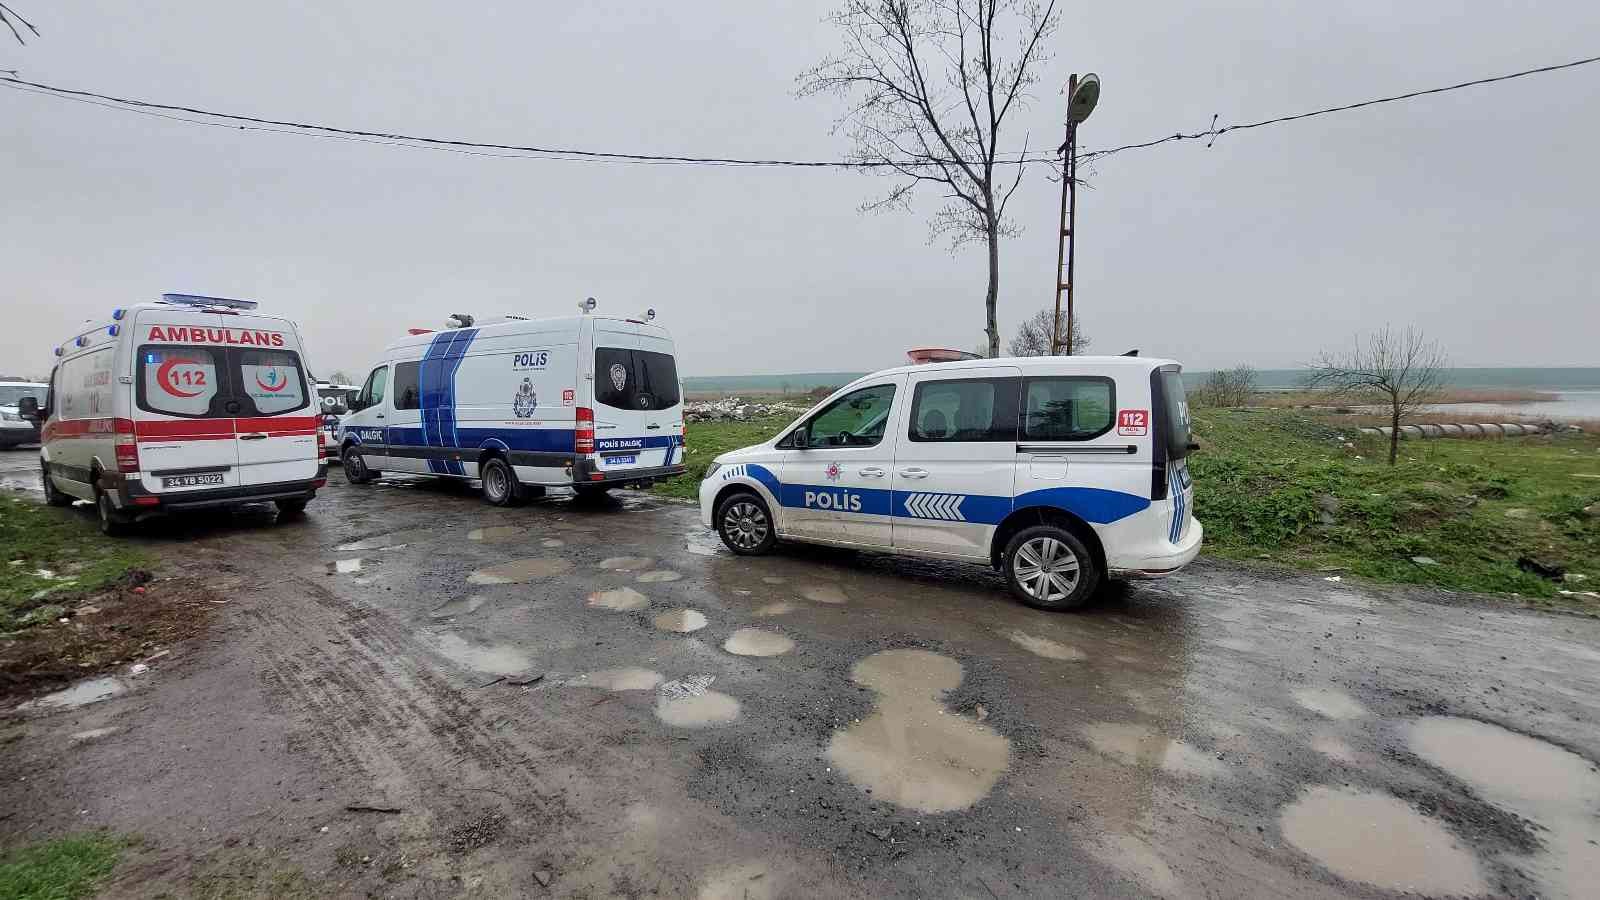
(711, 470)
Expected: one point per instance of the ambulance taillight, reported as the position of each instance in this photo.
(127, 450)
(584, 435)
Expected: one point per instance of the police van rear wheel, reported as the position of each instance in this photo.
(500, 486)
(355, 468)
(1049, 568)
(745, 525)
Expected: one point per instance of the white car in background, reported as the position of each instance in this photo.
(15, 429)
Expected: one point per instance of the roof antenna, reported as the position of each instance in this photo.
(587, 305)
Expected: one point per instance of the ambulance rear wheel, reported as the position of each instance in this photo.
(112, 522)
(745, 524)
(355, 468)
(500, 485)
(52, 495)
(1047, 567)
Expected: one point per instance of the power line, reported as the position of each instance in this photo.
(184, 114)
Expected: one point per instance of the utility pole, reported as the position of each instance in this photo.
(1081, 99)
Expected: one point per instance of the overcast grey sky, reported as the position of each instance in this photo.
(1471, 214)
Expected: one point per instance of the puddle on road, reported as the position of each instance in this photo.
(658, 576)
(552, 543)
(626, 563)
(620, 680)
(495, 659)
(93, 734)
(1554, 787)
(1045, 647)
(495, 533)
(345, 566)
(1330, 703)
(757, 642)
(460, 606)
(1334, 749)
(702, 544)
(824, 593)
(701, 710)
(1379, 840)
(780, 608)
(746, 881)
(1139, 861)
(518, 571)
(773, 579)
(911, 751)
(621, 600)
(680, 620)
(81, 694)
(1146, 748)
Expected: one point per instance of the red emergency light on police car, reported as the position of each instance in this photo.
(181, 403)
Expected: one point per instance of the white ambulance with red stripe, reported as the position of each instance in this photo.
(184, 403)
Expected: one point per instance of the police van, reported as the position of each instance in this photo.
(179, 404)
(1059, 471)
(587, 402)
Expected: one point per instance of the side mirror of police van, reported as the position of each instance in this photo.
(28, 408)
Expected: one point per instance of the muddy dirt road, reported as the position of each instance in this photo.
(413, 694)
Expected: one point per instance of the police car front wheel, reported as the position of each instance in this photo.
(745, 525)
(1049, 568)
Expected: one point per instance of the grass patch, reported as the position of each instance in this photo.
(49, 555)
(63, 869)
(1475, 506)
(708, 440)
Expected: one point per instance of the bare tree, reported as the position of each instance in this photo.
(12, 19)
(930, 83)
(1035, 332)
(1404, 369)
(1227, 387)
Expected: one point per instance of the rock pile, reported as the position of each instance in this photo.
(734, 409)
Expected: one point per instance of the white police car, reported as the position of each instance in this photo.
(1060, 471)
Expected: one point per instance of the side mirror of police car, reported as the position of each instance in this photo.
(28, 408)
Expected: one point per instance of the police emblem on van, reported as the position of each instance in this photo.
(526, 401)
(619, 376)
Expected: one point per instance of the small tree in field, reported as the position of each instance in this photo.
(1228, 387)
(1404, 369)
(1034, 334)
(930, 85)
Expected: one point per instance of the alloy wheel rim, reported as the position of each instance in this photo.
(497, 482)
(353, 466)
(1047, 569)
(745, 525)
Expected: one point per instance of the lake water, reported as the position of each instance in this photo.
(1569, 405)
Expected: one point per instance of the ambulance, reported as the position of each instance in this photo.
(1059, 471)
(183, 403)
(587, 402)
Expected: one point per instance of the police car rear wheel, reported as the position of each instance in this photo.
(355, 468)
(745, 526)
(1049, 568)
(500, 486)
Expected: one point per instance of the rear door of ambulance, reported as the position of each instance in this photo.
(638, 410)
(184, 404)
(276, 427)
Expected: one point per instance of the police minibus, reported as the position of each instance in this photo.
(1059, 471)
(587, 402)
(178, 404)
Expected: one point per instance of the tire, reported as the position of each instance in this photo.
(1047, 567)
(53, 496)
(591, 493)
(355, 468)
(290, 508)
(500, 486)
(112, 522)
(745, 524)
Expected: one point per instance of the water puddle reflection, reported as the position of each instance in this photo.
(702, 710)
(626, 563)
(620, 600)
(824, 593)
(494, 659)
(518, 571)
(1045, 647)
(346, 566)
(658, 576)
(620, 680)
(911, 751)
(757, 642)
(680, 620)
(460, 606)
(81, 694)
(1379, 840)
(1330, 703)
(495, 533)
(780, 608)
(1146, 748)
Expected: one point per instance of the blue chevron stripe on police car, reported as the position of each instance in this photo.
(1096, 505)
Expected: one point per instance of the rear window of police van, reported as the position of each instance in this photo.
(635, 379)
(206, 382)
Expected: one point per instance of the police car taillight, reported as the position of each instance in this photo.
(584, 435)
(127, 450)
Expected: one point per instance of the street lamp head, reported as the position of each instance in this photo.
(1083, 99)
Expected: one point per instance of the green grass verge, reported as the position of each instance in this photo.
(63, 869)
(1474, 506)
(63, 544)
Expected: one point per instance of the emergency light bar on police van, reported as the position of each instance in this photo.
(200, 300)
(935, 354)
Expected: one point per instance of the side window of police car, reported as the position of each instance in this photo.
(1075, 408)
(964, 411)
(858, 419)
(372, 393)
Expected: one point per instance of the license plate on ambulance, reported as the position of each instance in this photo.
(628, 460)
(172, 481)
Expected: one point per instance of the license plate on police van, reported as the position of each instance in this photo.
(172, 481)
(628, 460)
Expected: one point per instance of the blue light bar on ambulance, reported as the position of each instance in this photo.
(200, 300)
